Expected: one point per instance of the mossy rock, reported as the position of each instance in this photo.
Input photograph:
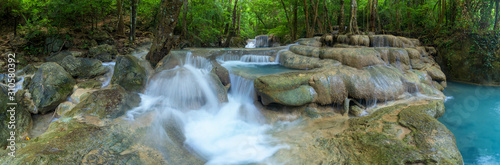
(105, 103)
(21, 116)
(50, 86)
(129, 74)
(89, 84)
(400, 134)
(82, 67)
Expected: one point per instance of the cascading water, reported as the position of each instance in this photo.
(188, 112)
(255, 58)
(250, 43)
(109, 74)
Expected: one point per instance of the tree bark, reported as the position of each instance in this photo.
(133, 20)
(373, 14)
(307, 19)
(328, 17)
(341, 17)
(287, 18)
(232, 29)
(315, 17)
(121, 26)
(353, 22)
(164, 40)
(294, 31)
(239, 20)
(184, 19)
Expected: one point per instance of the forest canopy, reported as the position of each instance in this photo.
(204, 22)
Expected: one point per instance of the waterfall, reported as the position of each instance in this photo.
(250, 43)
(187, 112)
(262, 41)
(255, 58)
(109, 74)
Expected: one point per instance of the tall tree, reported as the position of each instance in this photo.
(373, 15)
(294, 31)
(133, 20)
(184, 19)
(164, 40)
(341, 17)
(308, 34)
(287, 18)
(232, 29)
(121, 26)
(328, 17)
(353, 21)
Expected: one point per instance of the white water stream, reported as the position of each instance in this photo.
(221, 133)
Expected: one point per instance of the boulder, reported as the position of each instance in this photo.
(105, 52)
(129, 74)
(354, 57)
(89, 84)
(20, 116)
(292, 60)
(436, 73)
(221, 72)
(105, 103)
(399, 134)
(82, 67)
(64, 107)
(50, 86)
(102, 37)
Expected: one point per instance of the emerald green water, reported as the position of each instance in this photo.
(473, 115)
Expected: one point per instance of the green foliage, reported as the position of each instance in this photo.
(483, 49)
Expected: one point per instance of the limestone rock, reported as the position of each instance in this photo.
(50, 86)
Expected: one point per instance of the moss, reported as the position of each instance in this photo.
(89, 84)
(383, 137)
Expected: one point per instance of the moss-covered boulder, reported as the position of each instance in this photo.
(50, 86)
(89, 84)
(82, 67)
(105, 103)
(15, 118)
(105, 52)
(399, 134)
(129, 74)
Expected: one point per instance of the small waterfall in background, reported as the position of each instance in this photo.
(250, 43)
(108, 75)
(187, 114)
(256, 58)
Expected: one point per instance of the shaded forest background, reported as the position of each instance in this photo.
(445, 24)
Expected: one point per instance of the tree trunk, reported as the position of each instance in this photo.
(315, 18)
(184, 19)
(232, 29)
(328, 17)
(353, 22)
(239, 20)
(121, 26)
(133, 20)
(294, 31)
(373, 14)
(164, 41)
(341, 17)
(307, 20)
(287, 18)
(496, 16)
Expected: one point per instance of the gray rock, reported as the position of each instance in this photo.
(50, 86)
(82, 67)
(129, 74)
(104, 52)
